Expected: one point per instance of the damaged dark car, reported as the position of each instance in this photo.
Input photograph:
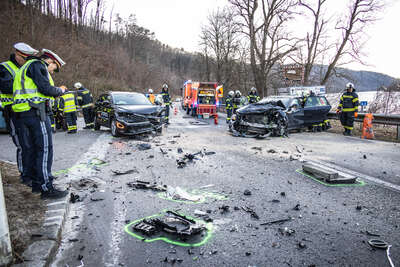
(276, 116)
(128, 113)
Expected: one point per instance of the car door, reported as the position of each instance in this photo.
(315, 110)
(295, 114)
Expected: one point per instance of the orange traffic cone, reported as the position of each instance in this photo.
(367, 131)
(216, 119)
(176, 110)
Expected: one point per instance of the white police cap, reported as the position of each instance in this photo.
(53, 56)
(25, 49)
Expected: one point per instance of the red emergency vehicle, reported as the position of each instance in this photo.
(201, 98)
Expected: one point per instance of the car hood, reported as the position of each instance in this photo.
(139, 109)
(258, 108)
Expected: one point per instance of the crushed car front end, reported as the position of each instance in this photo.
(260, 120)
(133, 122)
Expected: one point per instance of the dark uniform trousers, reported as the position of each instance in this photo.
(39, 148)
(88, 115)
(9, 117)
(347, 120)
(70, 118)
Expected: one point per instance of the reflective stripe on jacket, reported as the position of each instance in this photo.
(7, 99)
(25, 90)
(69, 103)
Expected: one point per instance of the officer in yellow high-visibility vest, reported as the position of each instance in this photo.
(32, 89)
(151, 96)
(8, 70)
(68, 106)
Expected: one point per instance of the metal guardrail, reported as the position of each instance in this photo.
(378, 118)
(383, 119)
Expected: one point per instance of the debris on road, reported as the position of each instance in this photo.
(224, 209)
(277, 221)
(301, 245)
(247, 192)
(252, 212)
(146, 185)
(97, 196)
(143, 146)
(286, 231)
(123, 172)
(163, 152)
(297, 207)
(328, 175)
(257, 148)
(272, 151)
(180, 150)
(75, 198)
(171, 223)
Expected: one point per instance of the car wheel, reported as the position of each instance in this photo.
(114, 131)
(96, 125)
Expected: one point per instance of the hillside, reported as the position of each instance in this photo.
(362, 80)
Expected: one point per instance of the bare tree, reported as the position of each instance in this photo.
(315, 39)
(264, 25)
(220, 37)
(352, 26)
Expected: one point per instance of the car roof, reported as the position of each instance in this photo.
(122, 92)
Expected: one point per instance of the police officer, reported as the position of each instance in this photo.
(85, 101)
(8, 70)
(166, 100)
(33, 87)
(68, 106)
(229, 106)
(237, 101)
(151, 96)
(253, 96)
(348, 108)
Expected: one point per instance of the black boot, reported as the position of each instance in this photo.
(53, 193)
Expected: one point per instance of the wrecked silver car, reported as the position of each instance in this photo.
(265, 118)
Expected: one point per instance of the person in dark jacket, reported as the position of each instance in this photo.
(253, 96)
(166, 100)
(33, 87)
(85, 102)
(237, 101)
(348, 109)
(8, 70)
(229, 106)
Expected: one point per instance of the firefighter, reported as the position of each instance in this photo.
(253, 96)
(85, 101)
(151, 96)
(166, 100)
(348, 108)
(33, 87)
(236, 101)
(8, 70)
(68, 107)
(228, 106)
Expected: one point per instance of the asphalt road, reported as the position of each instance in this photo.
(331, 223)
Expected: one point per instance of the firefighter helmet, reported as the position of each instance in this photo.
(238, 92)
(165, 86)
(150, 91)
(78, 85)
(231, 93)
(253, 90)
(349, 85)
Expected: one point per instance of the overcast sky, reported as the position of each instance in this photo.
(178, 24)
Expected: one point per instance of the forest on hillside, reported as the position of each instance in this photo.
(103, 53)
(242, 45)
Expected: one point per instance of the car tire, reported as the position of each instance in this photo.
(113, 127)
(96, 125)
